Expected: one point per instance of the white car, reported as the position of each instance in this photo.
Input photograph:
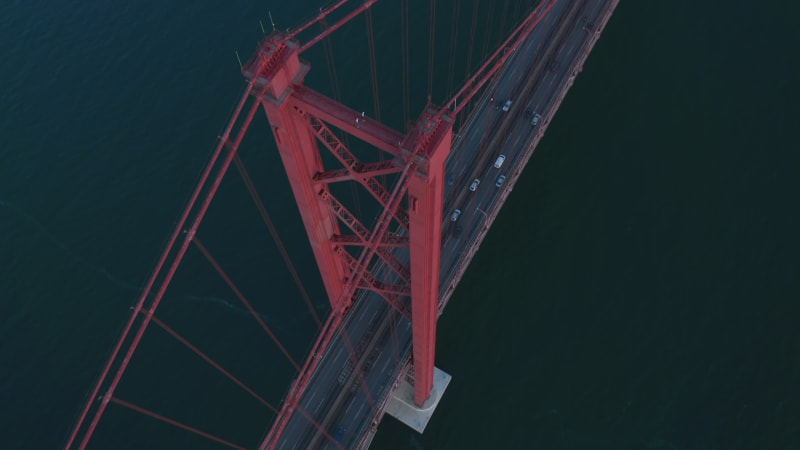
(536, 119)
(455, 215)
(507, 105)
(474, 186)
(499, 161)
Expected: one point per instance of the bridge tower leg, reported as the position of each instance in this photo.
(301, 158)
(425, 203)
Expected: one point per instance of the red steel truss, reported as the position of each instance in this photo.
(301, 121)
(346, 249)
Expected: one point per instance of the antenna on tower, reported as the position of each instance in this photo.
(262, 27)
(238, 59)
(271, 21)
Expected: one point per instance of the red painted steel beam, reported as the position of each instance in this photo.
(340, 151)
(425, 203)
(301, 159)
(424, 152)
(337, 315)
(363, 233)
(277, 69)
(368, 130)
(323, 13)
(388, 240)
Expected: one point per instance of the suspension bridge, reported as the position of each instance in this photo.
(390, 268)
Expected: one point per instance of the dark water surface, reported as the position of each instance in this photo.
(639, 290)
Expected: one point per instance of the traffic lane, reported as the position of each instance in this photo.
(510, 82)
(333, 419)
(327, 373)
(502, 89)
(360, 410)
(374, 380)
(573, 43)
(511, 145)
(517, 74)
(578, 41)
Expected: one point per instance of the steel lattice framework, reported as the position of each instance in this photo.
(346, 249)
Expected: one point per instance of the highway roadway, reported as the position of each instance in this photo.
(344, 398)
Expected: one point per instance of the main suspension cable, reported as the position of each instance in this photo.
(517, 7)
(225, 142)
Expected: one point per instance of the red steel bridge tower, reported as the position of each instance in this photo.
(411, 216)
(412, 209)
(405, 175)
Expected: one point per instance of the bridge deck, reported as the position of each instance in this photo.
(346, 395)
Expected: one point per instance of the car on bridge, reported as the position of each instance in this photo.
(339, 434)
(499, 161)
(454, 216)
(507, 106)
(536, 119)
(474, 186)
(500, 180)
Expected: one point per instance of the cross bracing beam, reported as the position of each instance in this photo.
(390, 240)
(363, 233)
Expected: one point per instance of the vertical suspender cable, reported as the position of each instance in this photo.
(503, 17)
(472, 36)
(330, 63)
(373, 67)
(373, 63)
(516, 10)
(431, 48)
(453, 42)
(161, 265)
(488, 35)
(337, 95)
(404, 68)
(470, 48)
